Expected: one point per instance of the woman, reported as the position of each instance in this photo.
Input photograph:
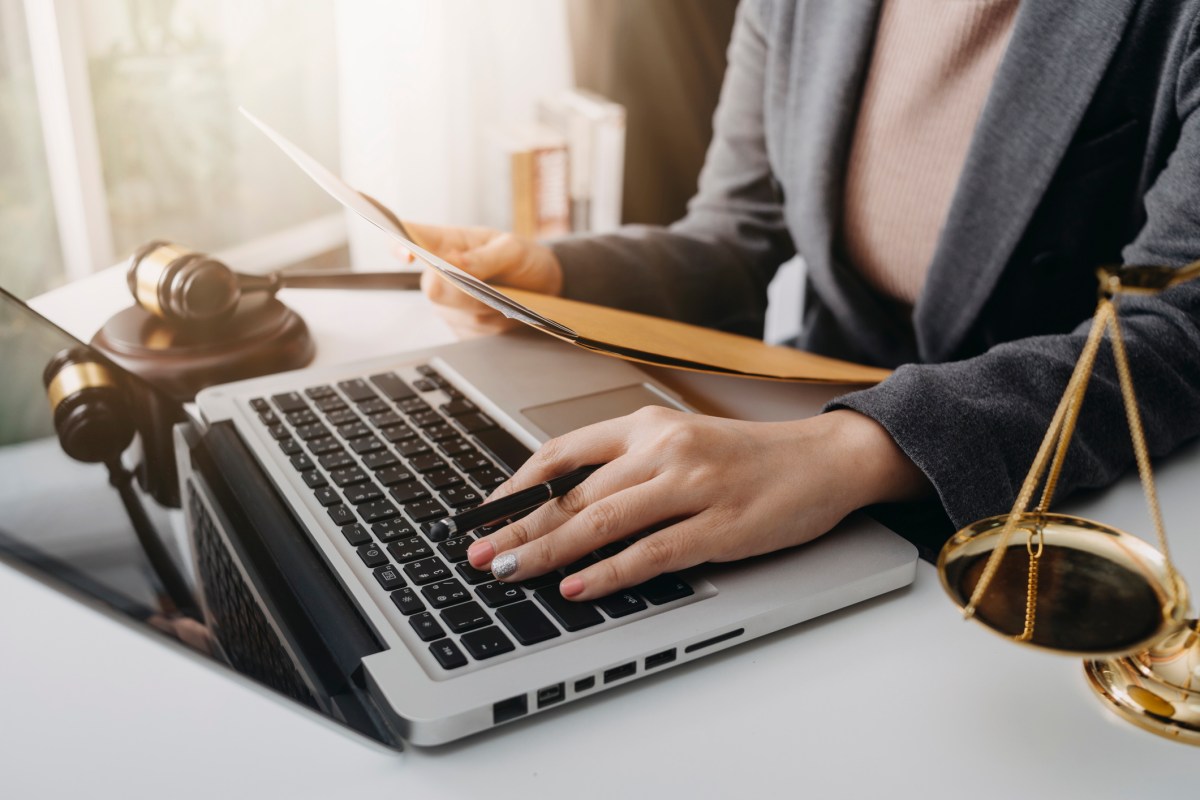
(952, 172)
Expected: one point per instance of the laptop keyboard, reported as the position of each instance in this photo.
(386, 457)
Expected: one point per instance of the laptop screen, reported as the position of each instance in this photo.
(89, 503)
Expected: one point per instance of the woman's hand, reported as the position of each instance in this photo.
(713, 489)
(500, 258)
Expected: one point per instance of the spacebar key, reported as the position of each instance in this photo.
(504, 447)
(571, 615)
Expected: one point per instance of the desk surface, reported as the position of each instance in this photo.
(895, 697)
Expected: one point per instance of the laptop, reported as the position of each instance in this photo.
(303, 534)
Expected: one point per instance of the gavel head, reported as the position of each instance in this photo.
(182, 286)
(91, 416)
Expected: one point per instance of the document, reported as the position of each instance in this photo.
(623, 334)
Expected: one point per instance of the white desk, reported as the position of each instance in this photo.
(896, 697)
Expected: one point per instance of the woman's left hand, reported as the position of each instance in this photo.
(713, 489)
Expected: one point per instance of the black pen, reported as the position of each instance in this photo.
(506, 507)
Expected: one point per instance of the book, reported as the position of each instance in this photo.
(594, 129)
(528, 182)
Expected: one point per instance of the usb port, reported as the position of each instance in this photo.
(658, 659)
(623, 671)
(551, 695)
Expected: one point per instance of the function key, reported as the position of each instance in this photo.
(457, 407)
(356, 534)
(260, 405)
(621, 604)
(496, 593)
(392, 529)
(447, 654)
(487, 642)
(389, 578)
(465, 617)
(357, 390)
(407, 601)
(446, 593)
(426, 626)
(663, 589)
(289, 401)
(526, 623)
(572, 615)
(317, 392)
(392, 386)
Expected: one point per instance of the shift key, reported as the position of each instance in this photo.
(573, 616)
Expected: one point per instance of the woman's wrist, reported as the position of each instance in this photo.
(868, 464)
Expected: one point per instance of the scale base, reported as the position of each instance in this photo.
(1158, 689)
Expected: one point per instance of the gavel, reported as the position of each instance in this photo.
(183, 286)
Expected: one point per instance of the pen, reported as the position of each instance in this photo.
(505, 507)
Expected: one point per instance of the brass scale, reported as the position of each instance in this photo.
(1080, 587)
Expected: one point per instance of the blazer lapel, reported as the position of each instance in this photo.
(1055, 60)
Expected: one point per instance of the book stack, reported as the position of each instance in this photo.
(594, 130)
(529, 193)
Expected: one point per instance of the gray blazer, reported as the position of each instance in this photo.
(1087, 152)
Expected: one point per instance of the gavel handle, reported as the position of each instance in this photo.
(340, 279)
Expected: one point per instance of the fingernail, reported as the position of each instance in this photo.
(505, 565)
(480, 553)
(571, 586)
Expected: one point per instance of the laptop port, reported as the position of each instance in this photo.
(508, 709)
(583, 684)
(623, 671)
(551, 695)
(658, 659)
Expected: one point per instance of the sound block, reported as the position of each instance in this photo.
(263, 336)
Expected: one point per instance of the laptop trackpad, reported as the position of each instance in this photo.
(567, 415)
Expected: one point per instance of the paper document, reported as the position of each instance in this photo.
(635, 337)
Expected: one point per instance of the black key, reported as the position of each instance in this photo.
(392, 529)
(372, 555)
(357, 390)
(366, 444)
(456, 407)
(413, 405)
(409, 492)
(470, 462)
(392, 386)
(440, 433)
(497, 593)
(353, 430)
(375, 406)
(377, 510)
(472, 575)
(474, 423)
(260, 405)
(526, 623)
(387, 418)
(289, 402)
(302, 463)
(428, 371)
(356, 534)
(317, 392)
(663, 589)
(460, 497)
(341, 515)
(289, 446)
(427, 463)
(446, 593)
(380, 459)
(278, 432)
(320, 447)
(411, 447)
(335, 460)
(398, 433)
(389, 578)
(425, 385)
(488, 478)
(447, 654)
(538, 581)
(347, 475)
(304, 417)
(571, 615)
(456, 447)
(443, 479)
(426, 626)
(425, 510)
(426, 419)
(502, 446)
(330, 404)
(268, 417)
(487, 642)
(427, 570)
(327, 497)
(465, 617)
(621, 604)
(390, 476)
(313, 430)
(410, 549)
(456, 549)
(359, 493)
(342, 416)
(313, 479)
(407, 601)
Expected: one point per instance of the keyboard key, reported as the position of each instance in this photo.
(465, 617)
(330, 404)
(313, 430)
(359, 493)
(425, 510)
(347, 475)
(456, 549)
(327, 497)
(488, 479)
(426, 419)
(474, 423)
(304, 417)
(504, 447)
(447, 654)
(470, 462)
(290, 401)
(399, 433)
(498, 593)
(428, 370)
(260, 405)
(426, 626)
(446, 593)
(379, 459)
(412, 447)
(353, 430)
(409, 492)
(317, 392)
(440, 433)
(527, 624)
(279, 432)
(313, 479)
(413, 405)
(457, 407)
(341, 515)
(456, 447)
(409, 549)
(342, 416)
(460, 497)
(391, 385)
(427, 570)
(372, 555)
(320, 447)
(302, 463)
(389, 578)
(335, 459)
(356, 534)
(427, 463)
(390, 476)
(386, 419)
(289, 446)
(375, 406)
(443, 479)
(357, 390)
(378, 510)
(268, 417)
(487, 642)
(538, 581)
(425, 385)
(621, 604)
(392, 529)
(663, 589)
(407, 601)
(571, 615)
(366, 444)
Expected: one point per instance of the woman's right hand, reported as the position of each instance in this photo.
(500, 258)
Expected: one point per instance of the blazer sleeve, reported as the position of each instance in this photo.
(974, 426)
(713, 266)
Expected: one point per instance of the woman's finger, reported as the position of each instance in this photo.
(597, 443)
(673, 548)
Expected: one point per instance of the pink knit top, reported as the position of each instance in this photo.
(932, 68)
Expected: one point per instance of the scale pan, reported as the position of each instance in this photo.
(1100, 591)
